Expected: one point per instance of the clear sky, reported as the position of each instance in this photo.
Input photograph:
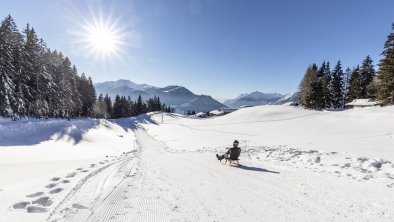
(216, 47)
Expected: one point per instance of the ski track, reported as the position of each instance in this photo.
(157, 184)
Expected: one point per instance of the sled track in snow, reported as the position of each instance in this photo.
(64, 210)
(112, 207)
(77, 188)
(159, 185)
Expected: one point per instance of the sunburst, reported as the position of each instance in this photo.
(101, 36)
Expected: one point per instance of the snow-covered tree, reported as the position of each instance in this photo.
(336, 86)
(355, 85)
(7, 71)
(367, 73)
(385, 91)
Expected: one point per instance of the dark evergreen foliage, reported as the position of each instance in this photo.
(355, 85)
(125, 107)
(385, 90)
(337, 86)
(35, 81)
(367, 73)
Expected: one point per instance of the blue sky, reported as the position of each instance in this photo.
(216, 47)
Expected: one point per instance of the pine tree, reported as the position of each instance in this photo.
(139, 106)
(34, 81)
(317, 99)
(346, 82)
(116, 112)
(31, 67)
(108, 106)
(7, 71)
(87, 96)
(367, 73)
(355, 84)
(327, 86)
(76, 109)
(16, 40)
(305, 87)
(385, 91)
(336, 86)
(45, 84)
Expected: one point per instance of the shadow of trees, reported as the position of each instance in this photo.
(33, 132)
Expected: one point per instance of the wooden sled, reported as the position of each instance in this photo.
(231, 162)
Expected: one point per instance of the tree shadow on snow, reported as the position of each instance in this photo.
(26, 133)
(257, 169)
(134, 123)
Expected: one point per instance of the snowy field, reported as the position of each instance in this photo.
(297, 165)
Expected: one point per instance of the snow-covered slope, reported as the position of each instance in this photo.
(41, 161)
(362, 132)
(296, 165)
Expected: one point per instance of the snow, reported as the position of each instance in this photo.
(360, 132)
(173, 89)
(33, 153)
(297, 165)
(362, 102)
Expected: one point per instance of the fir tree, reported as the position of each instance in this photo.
(355, 84)
(346, 82)
(108, 106)
(306, 85)
(327, 86)
(367, 73)
(7, 86)
(385, 91)
(336, 86)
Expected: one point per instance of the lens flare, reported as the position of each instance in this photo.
(101, 36)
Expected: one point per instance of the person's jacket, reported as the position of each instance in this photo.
(233, 153)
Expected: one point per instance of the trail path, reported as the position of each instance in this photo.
(156, 184)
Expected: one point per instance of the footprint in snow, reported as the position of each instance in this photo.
(51, 185)
(43, 201)
(35, 194)
(55, 179)
(84, 171)
(92, 165)
(79, 169)
(65, 181)
(57, 190)
(20, 205)
(79, 206)
(34, 209)
(71, 175)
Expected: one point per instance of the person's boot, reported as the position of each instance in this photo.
(219, 157)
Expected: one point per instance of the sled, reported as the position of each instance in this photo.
(232, 162)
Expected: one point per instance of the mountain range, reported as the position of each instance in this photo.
(178, 97)
(183, 99)
(258, 98)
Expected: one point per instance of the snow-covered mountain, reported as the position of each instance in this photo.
(259, 98)
(293, 97)
(178, 97)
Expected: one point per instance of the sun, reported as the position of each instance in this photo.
(101, 37)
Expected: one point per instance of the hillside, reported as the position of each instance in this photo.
(296, 164)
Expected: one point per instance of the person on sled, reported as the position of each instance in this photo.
(232, 153)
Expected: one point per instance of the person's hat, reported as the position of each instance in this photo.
(236, 141)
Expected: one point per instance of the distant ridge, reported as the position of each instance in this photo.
(178, 97)
(258, 98)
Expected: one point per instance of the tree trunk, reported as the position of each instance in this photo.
(392, 97)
